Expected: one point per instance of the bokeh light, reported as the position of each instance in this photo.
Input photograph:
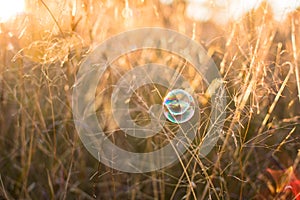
(10, 8)
(221, 12)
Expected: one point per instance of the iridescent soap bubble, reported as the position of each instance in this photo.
(179, 106)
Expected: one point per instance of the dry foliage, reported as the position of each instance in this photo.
(41, 155)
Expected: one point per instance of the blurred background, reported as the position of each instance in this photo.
(255, 44)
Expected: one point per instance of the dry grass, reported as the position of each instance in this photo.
(41, 155)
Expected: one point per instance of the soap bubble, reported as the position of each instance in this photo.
(179, 106)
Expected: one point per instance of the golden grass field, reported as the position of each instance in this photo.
(41, 156)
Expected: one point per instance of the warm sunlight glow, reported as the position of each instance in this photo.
(222, 11)
(10, 8)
